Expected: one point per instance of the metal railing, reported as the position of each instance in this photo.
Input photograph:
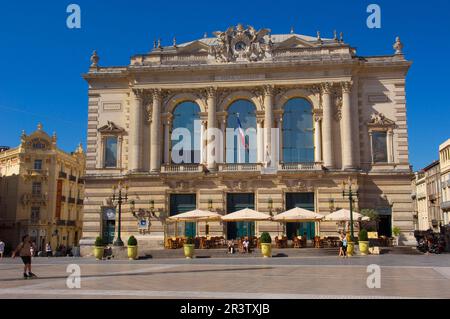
(181, 168)
(239, 167)
(300, 167)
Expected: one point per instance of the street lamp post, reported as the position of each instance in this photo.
(120, 199)
(350, 194)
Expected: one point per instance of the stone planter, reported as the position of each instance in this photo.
(364, 248)
(132, 252)
(189, 250)
(350, 248)
(98, 252)
(266, 250)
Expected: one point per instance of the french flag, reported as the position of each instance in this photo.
(241, 133)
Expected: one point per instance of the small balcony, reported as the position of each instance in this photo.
(63, 198)
(80, 181)
(72, 178)
(445, 206)
(181, 168)
(240, 167)
(37, 174)
(34, 199)
(71, 200)
(61, 222)
(299, 167)
(72, 223)
(62, 175)
(80, 201)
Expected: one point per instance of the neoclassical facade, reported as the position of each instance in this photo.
(41, 192)
(305, 114)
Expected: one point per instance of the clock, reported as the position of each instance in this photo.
(110, 213)
(240, 46)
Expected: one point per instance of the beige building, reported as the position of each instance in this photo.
(444, 158)
(420, 201)
(313, 113)
(41, 192)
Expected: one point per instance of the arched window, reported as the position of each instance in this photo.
(241, 139)
(186, 132)
(298, 132)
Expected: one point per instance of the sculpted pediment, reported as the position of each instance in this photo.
(380, 120)
(194, 47)
(111, 128)
(294, 42)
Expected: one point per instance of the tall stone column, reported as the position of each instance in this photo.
(268, 120)
(134, 135)
(280, 138)
(259, 140)
(202, 142)
(348, 158)
(223, 128)
(167, 140)
(212, 145)
(317, 137)
(327, 134)
(155, 142)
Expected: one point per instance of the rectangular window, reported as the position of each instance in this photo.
(379, 147)
(35, 214)
(36, 188)
(110, 152)
(38, 164)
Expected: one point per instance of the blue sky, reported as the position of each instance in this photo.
(41, 60)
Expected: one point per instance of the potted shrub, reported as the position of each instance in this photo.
(350, 245)
(189, 248)
(266, 245)
(396, 233)
(132, 248)
(99, 248)
(363, 242)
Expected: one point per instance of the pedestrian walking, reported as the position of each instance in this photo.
(2, 248)
(48, 250)
(341, 251)
(24, 251)
(344, 246)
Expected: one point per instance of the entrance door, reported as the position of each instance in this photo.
(109, 224)
(237, 202)
(301, 200)
(181, 203)
(385, 222)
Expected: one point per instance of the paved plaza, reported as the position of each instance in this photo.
(402, 276)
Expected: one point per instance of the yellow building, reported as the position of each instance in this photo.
(41, 192)
(444, 158)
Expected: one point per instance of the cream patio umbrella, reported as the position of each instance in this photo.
(343, 215)
(196, 216)
(246, 215)
(298, 215)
